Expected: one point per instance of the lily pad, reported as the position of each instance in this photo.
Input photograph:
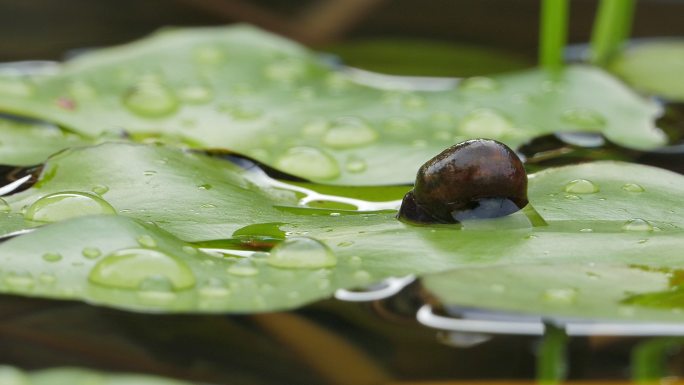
(654, 68)
(74, 376)
(199, 234)
(28, 144)
(612, 290)
(244, 90)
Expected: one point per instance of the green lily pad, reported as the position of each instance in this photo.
(28, 144)
(195, 233)
(604, 290)
(266, 97)
(654, 68)
(74, 376)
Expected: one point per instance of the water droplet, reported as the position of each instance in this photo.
(240, 112)
(633, 187)
(195, 94)
(100, 189)
(571, 197)
(209, 55)
(189, 250)
(584, 117)
(52, 257)
(355, 260)
(412, 101)
(214, 288)
(128, 268)
(285, 71)
(149, 173)
(63, 205)
(479, 83)
(302, 253)
(355, 164)
(485, 122)
(146, 241)
(347, 132)
(581, 186)
(19, 280)
(565, 295)
(156, 288)
(150, 98)
(308, 162)
(316, 127)
(45, 278)
(4, 206)
(637, 224)
(91, 252)
(81, 90)
(362, 276)
(243, 268)
(586, 230)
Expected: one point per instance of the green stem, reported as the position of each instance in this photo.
(648, 359)
(551, 359)
(612, 26)
(553, 32)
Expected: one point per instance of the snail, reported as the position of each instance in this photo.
(478, 178)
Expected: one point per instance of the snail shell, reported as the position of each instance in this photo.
(479, 178)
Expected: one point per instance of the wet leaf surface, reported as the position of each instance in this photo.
(197, 234)
(265, 97)
(654, 68)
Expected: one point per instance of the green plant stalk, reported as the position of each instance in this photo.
(648, 359)
(612, 26)
(551, 357)
(553, 32)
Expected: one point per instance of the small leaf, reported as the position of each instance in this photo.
(244, 90)
(654, 68)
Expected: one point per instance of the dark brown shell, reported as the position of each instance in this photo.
(477, 178)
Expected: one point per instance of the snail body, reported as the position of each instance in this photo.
(479, 178)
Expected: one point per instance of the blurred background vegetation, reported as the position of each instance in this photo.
(382, 35)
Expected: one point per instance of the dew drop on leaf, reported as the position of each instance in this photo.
(100, 189)
(52, 257)
(637, 224)
(355, 164)
(560, 296)
(91, 252)
(301, 253)
(308, 162)
(195, 94)
(581, 186)
(151, 99)
(362, 276)
(214, 288)
(156, 288)
(146, 241)
(19, 280)
(128, 268)
(485, 123)
(633, 187)
(348, 132)
(63, 205)
(584, 118)
(479, 83)
(243, 268)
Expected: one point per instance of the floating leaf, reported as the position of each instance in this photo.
(654, 68)
(195, 233)
(263, 96)
(72, 376)
(28, 144)
(604, 290)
